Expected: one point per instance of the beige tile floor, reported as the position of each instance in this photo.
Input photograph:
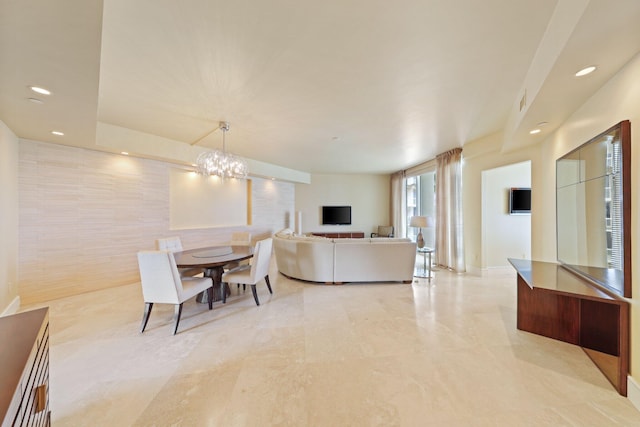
(444, 353)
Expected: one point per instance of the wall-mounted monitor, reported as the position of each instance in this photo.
(519, 201)
(336, 215)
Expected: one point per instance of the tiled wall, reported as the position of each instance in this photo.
(84, 214)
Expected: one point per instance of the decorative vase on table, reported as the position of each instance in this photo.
(418, 222)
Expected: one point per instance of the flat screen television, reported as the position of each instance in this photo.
(336, 215)
(519, 201)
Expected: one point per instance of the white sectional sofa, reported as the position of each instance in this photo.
(321, 259)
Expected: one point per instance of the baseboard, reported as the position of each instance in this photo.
(491, 271)
(633, 392)
(501, 271)
(474, 271)
(12, 308)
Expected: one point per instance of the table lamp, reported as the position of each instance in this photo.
(419, 222)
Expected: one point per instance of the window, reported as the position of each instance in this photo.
(421, 200)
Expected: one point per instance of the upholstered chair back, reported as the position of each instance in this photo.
(173, 244)
(385, 231)
(160, 278)
(261, 259)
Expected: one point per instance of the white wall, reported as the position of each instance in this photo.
(483, 155)
(368, 196)
(195, 200)
(272, 204)
(84, 214)
(9, 301)
(503, 235)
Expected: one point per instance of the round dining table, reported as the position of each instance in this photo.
(212, 260)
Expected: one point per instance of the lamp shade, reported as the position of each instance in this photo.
(418, 221)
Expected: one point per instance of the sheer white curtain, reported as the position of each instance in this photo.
(398, 204)
(449, 236)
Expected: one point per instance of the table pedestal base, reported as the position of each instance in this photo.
(215, 274)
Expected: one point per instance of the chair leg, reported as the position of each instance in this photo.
(255, 294)
(145, 317)
(226, 291)
(266, 279)
(178, 313)
(210, 297)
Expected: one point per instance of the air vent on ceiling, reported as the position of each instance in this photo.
(523, 101)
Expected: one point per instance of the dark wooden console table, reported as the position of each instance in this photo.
(556, 303)
(341, 235)
(24, 369)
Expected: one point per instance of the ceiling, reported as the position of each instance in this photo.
(360, 86)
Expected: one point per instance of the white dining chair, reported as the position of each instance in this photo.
(239, 238)
(174, 244)
(162, 283)
(252, 274)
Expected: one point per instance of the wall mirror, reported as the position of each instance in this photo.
(593, 216)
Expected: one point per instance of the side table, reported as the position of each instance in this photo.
(425, 251)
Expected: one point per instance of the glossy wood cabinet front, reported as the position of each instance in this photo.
(24, 369)
(556, 303)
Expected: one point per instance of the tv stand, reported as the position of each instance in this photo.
(341, 235)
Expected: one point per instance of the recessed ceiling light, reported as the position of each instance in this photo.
(36, 100)
(534, 131)
(124, 153)
(40, 90)
(57, 132)
(586, 71)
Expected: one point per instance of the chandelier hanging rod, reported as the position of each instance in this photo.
(224, 126)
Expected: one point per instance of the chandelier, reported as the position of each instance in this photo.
(221, 163)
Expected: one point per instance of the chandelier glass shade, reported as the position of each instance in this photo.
(220, 163)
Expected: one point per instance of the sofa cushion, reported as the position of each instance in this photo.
(305, 259)
(366, 262)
